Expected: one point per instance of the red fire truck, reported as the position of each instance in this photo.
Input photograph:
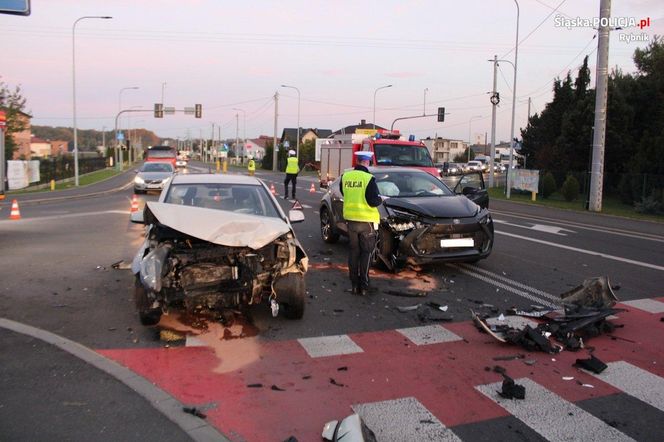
(389, 148)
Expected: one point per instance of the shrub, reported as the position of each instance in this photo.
(648, 205)
(548, 185)
(570, 189)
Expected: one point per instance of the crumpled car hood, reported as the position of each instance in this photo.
(435, 207)
(218, 226)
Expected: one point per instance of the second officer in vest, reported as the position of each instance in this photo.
(361, 199)
(292, 169)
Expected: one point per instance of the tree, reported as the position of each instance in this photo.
(13, 103)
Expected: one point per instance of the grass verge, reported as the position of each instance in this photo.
(83, 180)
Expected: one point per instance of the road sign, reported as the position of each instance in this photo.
(189, 111)
(286, 144)
(119, 136)
(16, 7)
(169, 110)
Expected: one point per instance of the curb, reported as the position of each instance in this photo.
(196, 428)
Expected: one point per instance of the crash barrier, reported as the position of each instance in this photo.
(59, 168)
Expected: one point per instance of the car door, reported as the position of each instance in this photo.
(471, 184)
(337, 201)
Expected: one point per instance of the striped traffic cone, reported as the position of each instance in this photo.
(272, 189)
(312, 189)
(134, 204)
(15, 213)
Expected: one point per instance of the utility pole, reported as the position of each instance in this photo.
(516, 56)
(494, 104)
(597, 173)
(530, 100)
(275, 145)
(212, 138)
(237, 136)
(103, 138)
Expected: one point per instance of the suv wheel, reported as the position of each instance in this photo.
(327, 230)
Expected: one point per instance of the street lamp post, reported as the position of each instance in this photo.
(117, 153)
(244, 126)
(516, 55)
(469, 123)
(73, 70)
(162, 92)
(424, 109)
(297, 148)
(374, 103)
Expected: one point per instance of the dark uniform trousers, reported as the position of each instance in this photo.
(290, 177)
(362, 237)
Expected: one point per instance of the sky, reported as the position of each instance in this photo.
(230, 55)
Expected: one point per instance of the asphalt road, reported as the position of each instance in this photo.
(57, 276)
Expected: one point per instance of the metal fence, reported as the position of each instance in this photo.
(59, 168)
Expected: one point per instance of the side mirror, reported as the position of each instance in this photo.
(137, 217)
(295, 216)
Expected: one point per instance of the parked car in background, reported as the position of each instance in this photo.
(218, 242)
(152, 176)
(421, 219)
(443, 168)
(455, 169)
(474, 166)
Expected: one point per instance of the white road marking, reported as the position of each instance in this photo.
(306, 206)
(552, 416)
(523, 294)
(329, 346)
(193, 341)
(647, 305)
(404, 419)
(71, 215)
(587, 252)
(594, 228)
(635, 382)
(429, 334)
(518, 284)
(539, 227)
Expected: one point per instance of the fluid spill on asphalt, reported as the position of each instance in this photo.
(415, 280)
(235, 345)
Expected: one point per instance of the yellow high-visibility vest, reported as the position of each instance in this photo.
(356, 207)
(292, 167)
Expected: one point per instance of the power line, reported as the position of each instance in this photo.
(536, 28)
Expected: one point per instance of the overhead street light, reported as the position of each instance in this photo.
(516, 55)
(424, 109)
(297, 148)
(73, 70)
(244, 127)
(162, 92)
(374, 103)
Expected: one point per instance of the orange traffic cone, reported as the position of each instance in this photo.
(272, 189)
(312, 189)
(134, 204)
(15, 213)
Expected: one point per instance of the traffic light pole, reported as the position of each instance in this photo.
(440, 115)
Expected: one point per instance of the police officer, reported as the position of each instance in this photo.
(292, 169)
(251, 166)
(361, 200)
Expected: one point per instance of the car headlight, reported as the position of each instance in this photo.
(139, 180)
(486, 219)
(401, 226)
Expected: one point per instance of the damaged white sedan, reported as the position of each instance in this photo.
(217, 242)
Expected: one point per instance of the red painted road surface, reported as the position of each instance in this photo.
(441, 376)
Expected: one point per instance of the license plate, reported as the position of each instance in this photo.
(154, 186)
(457, 242)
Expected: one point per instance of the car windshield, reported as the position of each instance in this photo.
(409, 184)
(402, 155)
(238, 198)
(157, 167)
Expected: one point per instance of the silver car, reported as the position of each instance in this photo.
(153, 176)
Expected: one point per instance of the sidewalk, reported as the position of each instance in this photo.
(55, 389)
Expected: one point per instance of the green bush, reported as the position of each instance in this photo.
(570, 189)
(648, 205)
(548, 185)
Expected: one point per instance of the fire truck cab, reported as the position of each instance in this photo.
(390, 148)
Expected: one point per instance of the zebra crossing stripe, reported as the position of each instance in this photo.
(636, 382)
(429, 334)
(403, 419)
(552, 416)
(647, 305)
(329, 346)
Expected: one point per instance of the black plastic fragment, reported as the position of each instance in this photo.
(291, 439)
(275, 388)
(254, 385)
(593, 364)
(512, 390)
(338, 384)
(194, 411)
(344, 368)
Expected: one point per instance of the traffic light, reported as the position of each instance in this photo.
(159, 110)
(441, 114)
(198, 110)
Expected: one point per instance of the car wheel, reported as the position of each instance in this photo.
(146, 314)
(291, 291)
(327, 230)
(383, 250)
